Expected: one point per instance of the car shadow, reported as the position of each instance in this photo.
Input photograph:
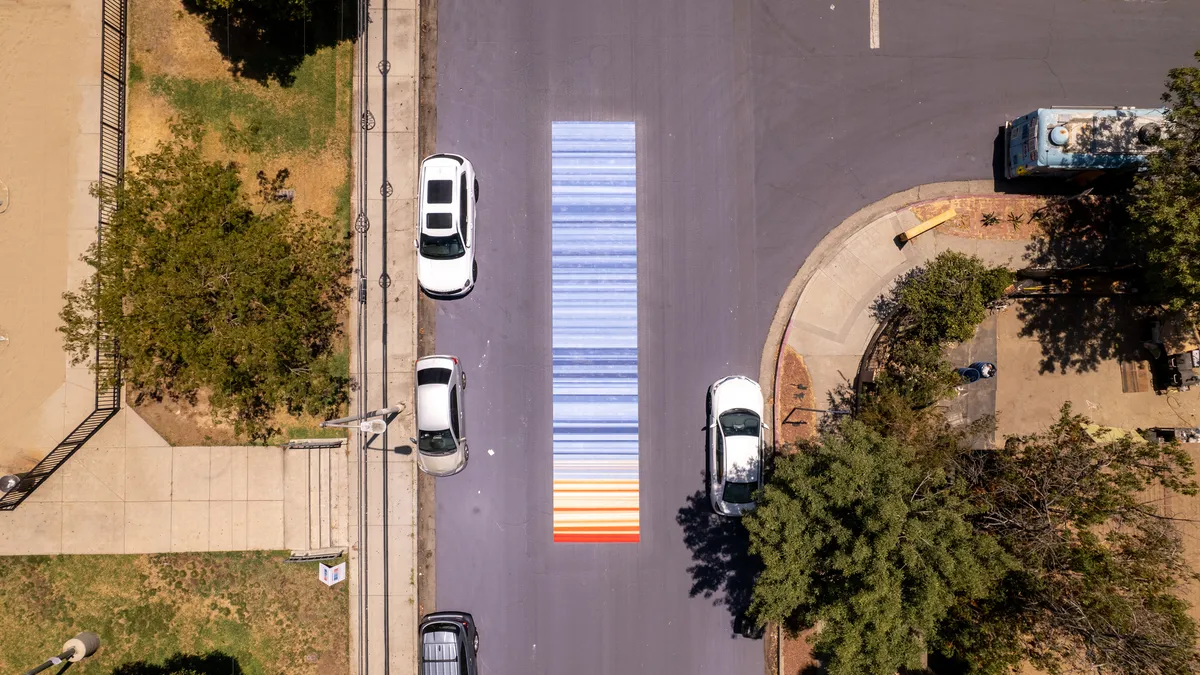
(723, 568)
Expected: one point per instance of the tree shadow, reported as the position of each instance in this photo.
(1083, 230)
(724, 569)
(267, 40)
(1085, 306)
(212, 663)
(1078, 333)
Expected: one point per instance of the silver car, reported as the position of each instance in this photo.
(441, 416)
(735, 444)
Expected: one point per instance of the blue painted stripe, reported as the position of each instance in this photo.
(594, 300)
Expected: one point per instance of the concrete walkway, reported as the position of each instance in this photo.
(824, 322)
(128, 491)
(383, 550)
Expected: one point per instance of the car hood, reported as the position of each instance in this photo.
(445, 275)
(741, 459)
(444, 465)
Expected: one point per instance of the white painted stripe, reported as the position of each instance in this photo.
(874, 24)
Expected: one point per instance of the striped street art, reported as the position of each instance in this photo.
(594, 319)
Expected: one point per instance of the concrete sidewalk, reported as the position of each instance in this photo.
(383, 475)
(128, 491)
(824, 323)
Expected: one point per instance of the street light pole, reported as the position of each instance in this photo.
(75, 650)
(373, 422)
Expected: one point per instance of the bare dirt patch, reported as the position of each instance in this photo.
(166, 40)
(795, 392)
(990, 217)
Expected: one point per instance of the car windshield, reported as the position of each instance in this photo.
(739, 423)
(436, 442)
(442, 248)
(739, 493)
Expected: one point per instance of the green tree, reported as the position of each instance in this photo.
(1098, 568)
(946, 299)
(1165, 205)
(206, 289)
(855, 535)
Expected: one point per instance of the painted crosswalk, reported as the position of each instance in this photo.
(594, 310)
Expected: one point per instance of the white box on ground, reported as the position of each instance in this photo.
(332, 575)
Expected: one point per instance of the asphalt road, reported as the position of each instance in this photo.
(761, 125)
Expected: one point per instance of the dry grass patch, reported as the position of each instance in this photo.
(268, 616)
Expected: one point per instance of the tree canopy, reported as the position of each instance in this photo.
(1098, 565)
(205, 288)
(946, 299)
(856, 535)
(1165, 204)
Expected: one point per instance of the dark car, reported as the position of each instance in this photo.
(449, 644)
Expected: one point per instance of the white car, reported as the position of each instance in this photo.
(446, 227)
(441, 416)
(735, 444)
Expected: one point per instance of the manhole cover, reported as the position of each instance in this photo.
(3, 197)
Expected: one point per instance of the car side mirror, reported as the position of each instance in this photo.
(766, 426)
(412, 440)
(415, 244)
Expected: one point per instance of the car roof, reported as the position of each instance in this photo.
(742, 461)
(440, 220)
(441, 648)
(433, 407)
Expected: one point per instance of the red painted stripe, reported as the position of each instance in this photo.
(597, 538)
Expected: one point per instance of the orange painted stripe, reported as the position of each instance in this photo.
(597, 538)
(630, 509)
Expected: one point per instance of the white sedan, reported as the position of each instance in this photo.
(446, 227)
(735, 444)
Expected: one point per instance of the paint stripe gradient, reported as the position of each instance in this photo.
(594, 327)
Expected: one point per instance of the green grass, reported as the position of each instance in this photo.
(251, 606)
(263, 120)
(341, 211)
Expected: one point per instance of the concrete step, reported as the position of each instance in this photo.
(340, 482)
(316, 499)
(296, 499)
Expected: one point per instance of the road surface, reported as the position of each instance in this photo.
(760, 125)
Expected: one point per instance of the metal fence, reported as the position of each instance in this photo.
(112, 166)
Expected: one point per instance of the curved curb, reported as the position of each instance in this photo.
(830, 245)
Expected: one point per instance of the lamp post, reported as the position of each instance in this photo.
(75, 650)
(373, 422)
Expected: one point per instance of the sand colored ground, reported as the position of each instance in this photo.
(49, 155)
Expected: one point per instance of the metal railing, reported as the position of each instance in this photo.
(112, 166)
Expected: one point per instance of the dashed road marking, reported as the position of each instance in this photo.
(874, 24)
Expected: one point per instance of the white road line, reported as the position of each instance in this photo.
(874, 24)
